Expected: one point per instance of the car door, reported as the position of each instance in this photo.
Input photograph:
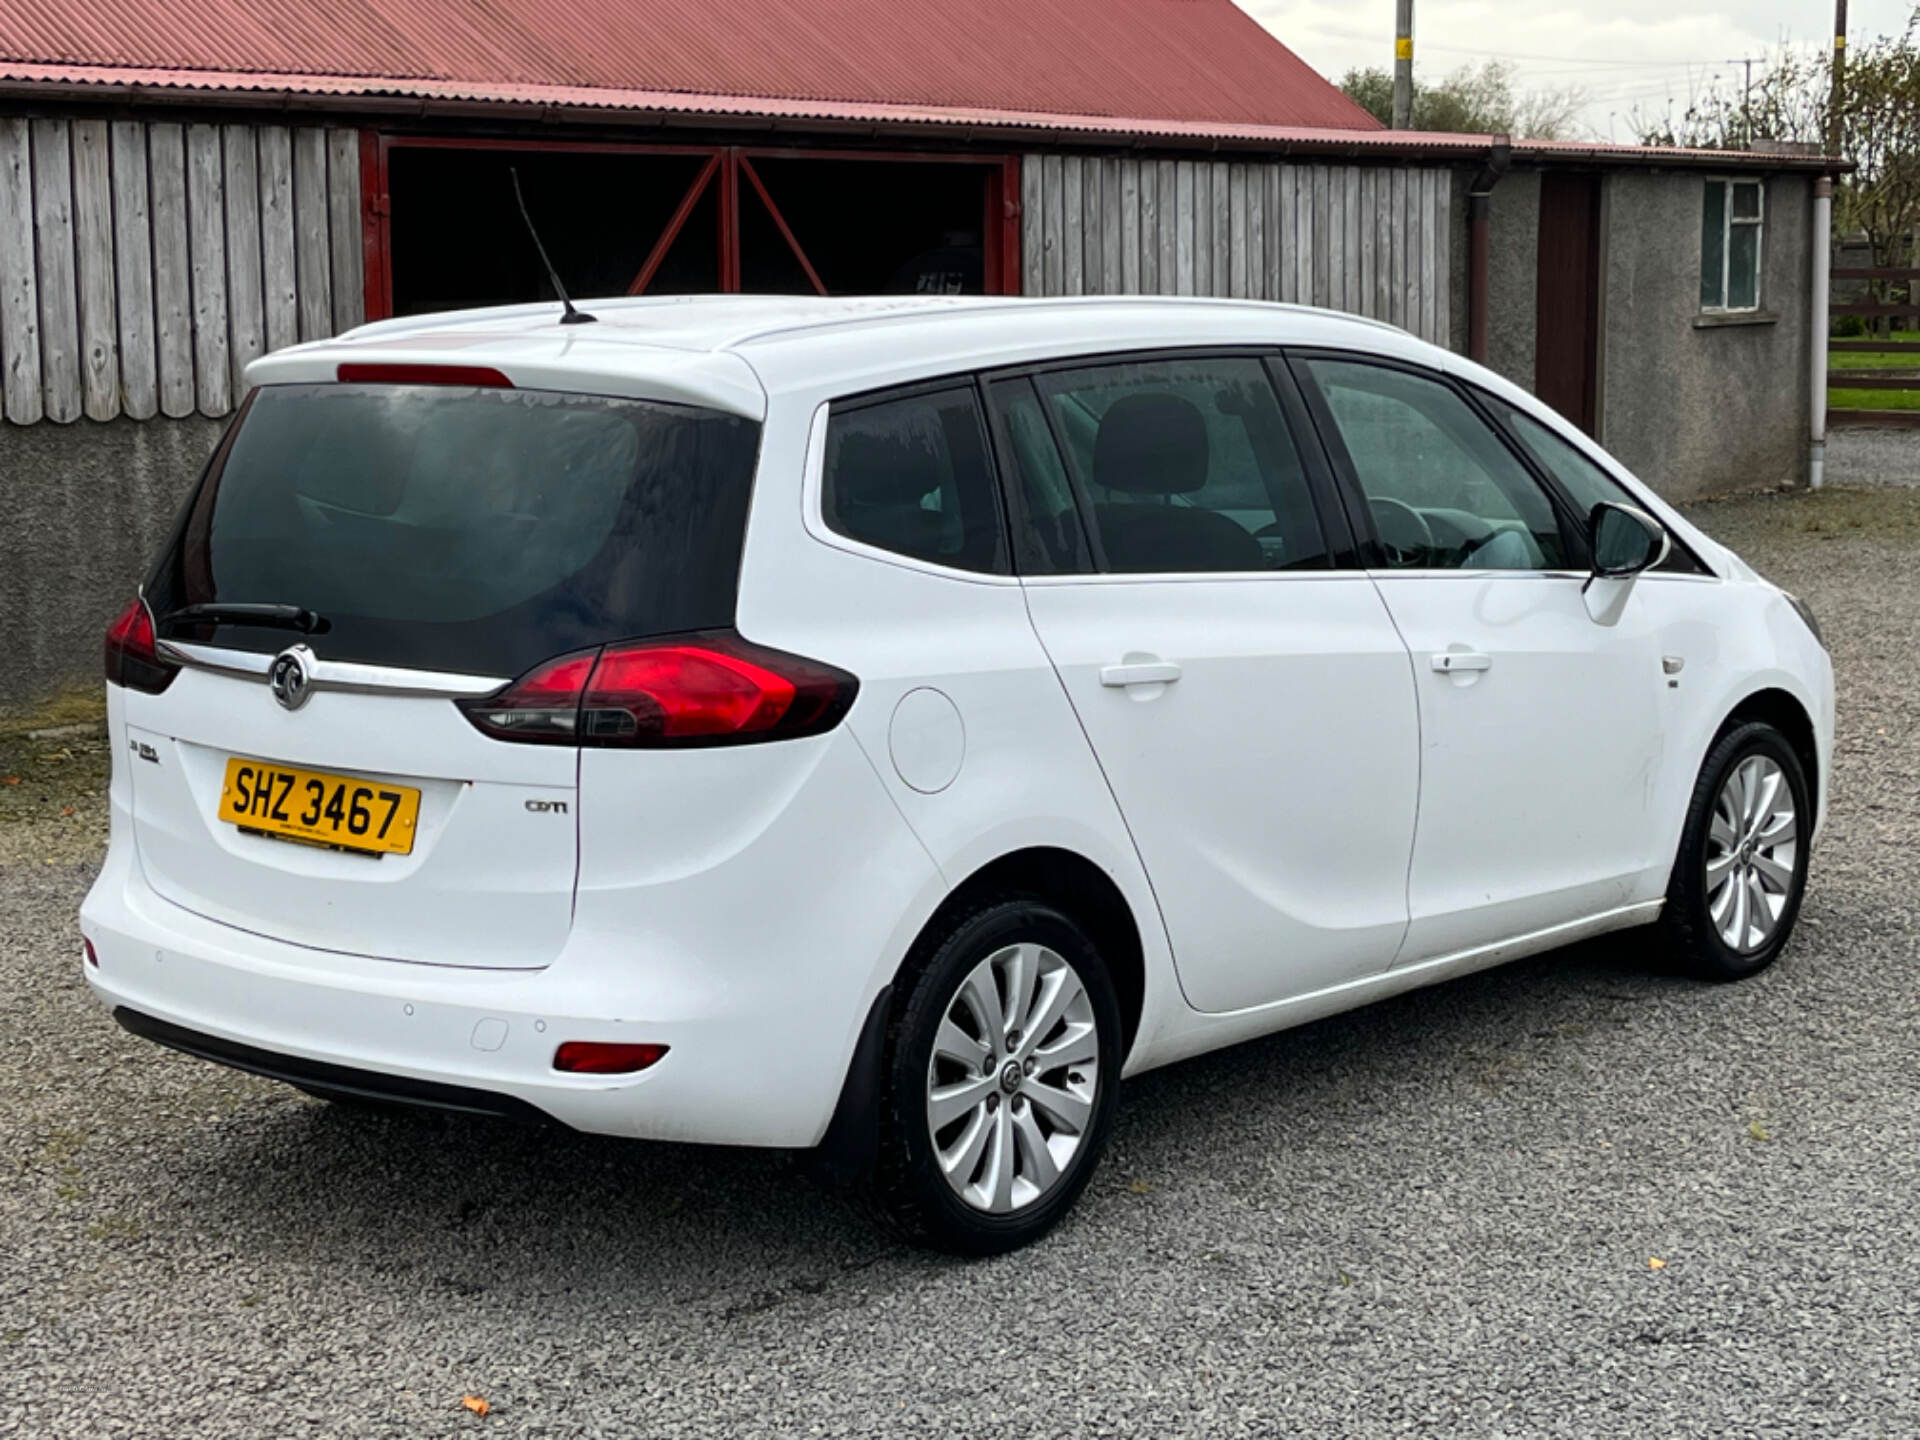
(1250, 704)
(1540, 734)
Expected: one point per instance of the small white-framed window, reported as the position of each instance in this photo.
(1732, 242)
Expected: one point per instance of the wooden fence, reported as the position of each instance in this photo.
(1897, 379)
(1373, 241)
(143, 265)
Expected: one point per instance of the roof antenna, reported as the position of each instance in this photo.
(573, 316)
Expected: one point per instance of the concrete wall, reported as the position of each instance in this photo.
(1695, 408)
(1513, 266)
(87, 508)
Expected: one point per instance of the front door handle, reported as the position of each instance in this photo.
(1450, 662)
(1156, 672)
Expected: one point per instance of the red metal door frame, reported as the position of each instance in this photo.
(1000, 234)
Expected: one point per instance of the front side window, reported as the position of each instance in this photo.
(1730, 245)
(1185, 465)
(1580, 477)
(1442, 489)
(911, 475)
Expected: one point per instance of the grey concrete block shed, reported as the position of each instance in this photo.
(153, 240)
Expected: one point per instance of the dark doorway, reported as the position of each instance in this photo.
(1567, 318)
(444, 232)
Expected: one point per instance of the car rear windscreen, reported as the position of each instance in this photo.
(470, 530)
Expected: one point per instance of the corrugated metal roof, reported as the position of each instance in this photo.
(364, 96)
(1182, 61)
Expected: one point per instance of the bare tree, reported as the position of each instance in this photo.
(1474, 100)
(1791, 100)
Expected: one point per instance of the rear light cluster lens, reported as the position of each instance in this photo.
(372, 373)
(710, 688)
(132, 659)
(595, 1057)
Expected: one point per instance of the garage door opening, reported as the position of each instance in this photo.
(445, 232)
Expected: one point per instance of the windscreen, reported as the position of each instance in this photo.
(470, 530)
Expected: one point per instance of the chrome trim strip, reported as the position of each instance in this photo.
(345, 675)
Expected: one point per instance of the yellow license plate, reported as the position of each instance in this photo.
(319, 808)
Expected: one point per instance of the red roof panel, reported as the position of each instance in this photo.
(1178, 61)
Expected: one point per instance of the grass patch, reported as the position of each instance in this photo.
(85, 705)
(1905, 358)
(1883, 512)
(1873, 399)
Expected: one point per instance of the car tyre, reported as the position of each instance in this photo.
(1002, 1064)
(1741, 870)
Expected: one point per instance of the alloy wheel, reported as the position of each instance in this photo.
(1752, 853)
(1013, 1079)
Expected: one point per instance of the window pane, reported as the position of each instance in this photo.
(1443, 491)
(1746, 200)
(1743, 268)
(911, 476)
(1189, 466)
(474, 530)
(1580, 477)
(1050, 542)
(1713, 242)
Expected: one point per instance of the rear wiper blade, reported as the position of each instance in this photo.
(283, 617)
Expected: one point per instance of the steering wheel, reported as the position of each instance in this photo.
(1404, 532)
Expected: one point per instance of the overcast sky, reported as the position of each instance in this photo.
(1622, 52)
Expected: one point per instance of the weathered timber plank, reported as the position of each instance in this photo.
(312, 249)
(19, 286)
(133, 271)
(246, 297)
(93, 262)
(344, 229)
(53, 254)
(172, 268)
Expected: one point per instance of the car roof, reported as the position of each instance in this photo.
(733, 351)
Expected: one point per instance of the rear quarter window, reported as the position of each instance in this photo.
(911, 475)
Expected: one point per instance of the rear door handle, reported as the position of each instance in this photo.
(1157, 672)
(1449, 662)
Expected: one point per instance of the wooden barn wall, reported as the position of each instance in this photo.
(143, 265)
(1367, 239)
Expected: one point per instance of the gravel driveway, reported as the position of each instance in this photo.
(1570, 1197)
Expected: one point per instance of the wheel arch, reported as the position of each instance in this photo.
(1785, 713)
(1047, 873)
(1085, 892)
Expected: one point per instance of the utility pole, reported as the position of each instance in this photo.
(1836, 97)
(1403, 65)
(1746, 94)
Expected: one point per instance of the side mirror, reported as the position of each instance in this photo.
(1625, 541)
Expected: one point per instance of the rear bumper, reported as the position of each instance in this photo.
(320, 1076)
(760, 1006)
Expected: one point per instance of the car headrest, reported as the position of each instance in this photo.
(1151, 445)
(870, 469)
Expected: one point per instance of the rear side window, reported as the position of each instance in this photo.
(468, 530)
(1187, 464)
(911, 474)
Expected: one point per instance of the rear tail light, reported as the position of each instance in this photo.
(709, 688)
(92, 958)
(594, 1057)
(132, 659)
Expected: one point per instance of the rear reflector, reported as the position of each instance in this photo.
(708, 688)
(132, 659)
(594, 1057)
(366, 373)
